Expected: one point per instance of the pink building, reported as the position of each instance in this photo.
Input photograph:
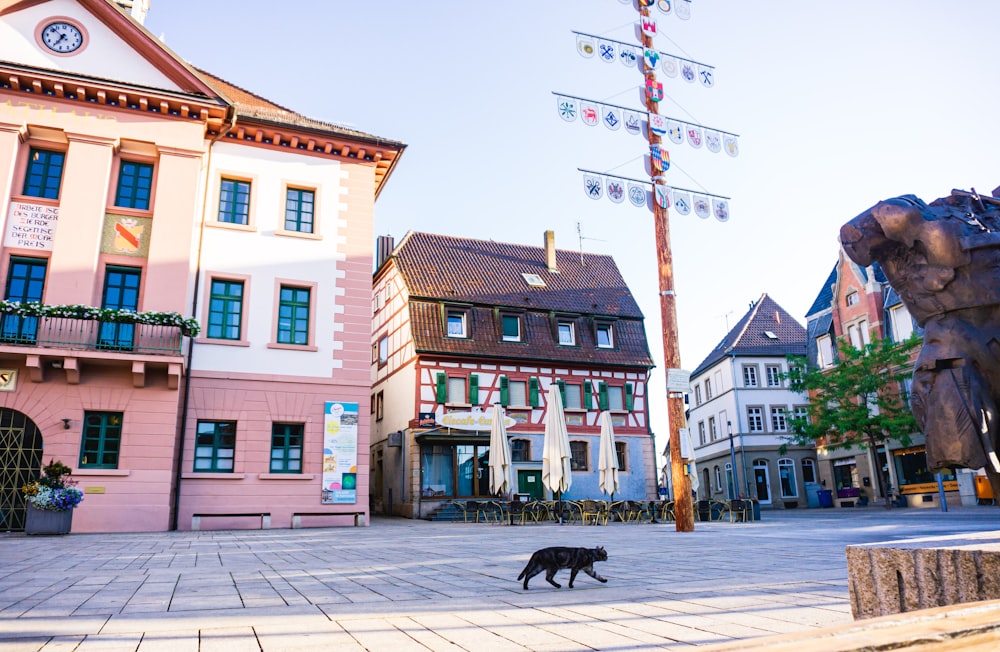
(172, 191)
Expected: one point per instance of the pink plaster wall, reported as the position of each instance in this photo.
(137, 494)
(255, 403)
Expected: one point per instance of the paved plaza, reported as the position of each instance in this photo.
(402, 585)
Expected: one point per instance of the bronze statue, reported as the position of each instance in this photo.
(944, 261)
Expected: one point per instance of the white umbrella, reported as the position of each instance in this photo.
(607, 464)
(556, 474)
(500, 462)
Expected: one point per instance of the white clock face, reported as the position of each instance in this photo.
(62, 37)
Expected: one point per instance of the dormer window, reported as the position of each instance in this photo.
(567, 334)
(852, 298)
(457, 326)
(511, 328)
(605, 336)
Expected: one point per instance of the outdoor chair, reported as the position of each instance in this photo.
(536, 511)
(594, 512)
(739, 510)
(516, 512)
(616, 510)
(667, 510)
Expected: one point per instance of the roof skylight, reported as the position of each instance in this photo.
(534, 280)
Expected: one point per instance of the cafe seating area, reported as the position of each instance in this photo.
(596, 512)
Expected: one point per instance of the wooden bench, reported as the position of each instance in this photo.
(297, 517)
(265, 518)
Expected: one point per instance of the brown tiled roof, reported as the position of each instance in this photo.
(483, 275)
(250, 105)
(488, 272)
(748, 337)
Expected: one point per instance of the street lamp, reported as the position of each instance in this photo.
(732, 455)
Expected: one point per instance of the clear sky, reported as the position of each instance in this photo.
(838, 105)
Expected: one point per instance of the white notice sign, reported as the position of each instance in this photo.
(31, 226)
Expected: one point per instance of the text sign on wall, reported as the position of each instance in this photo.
(31, 226)
(340, 453)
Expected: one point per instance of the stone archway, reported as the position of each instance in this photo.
(20, 461)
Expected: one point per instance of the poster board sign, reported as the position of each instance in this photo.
(31, 226)
(340, 453)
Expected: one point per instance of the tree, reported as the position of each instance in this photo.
(860, 401)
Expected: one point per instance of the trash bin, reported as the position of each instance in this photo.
(756, 510)
(826, 498)
(812, 494)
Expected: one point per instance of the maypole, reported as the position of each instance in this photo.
(617, 188)
(683, 502)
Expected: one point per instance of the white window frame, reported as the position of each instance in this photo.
(383, 350)
(462, 397)
(755, 419)
(697, 395)
(605, 328)
(773, 372)
(824, 351)
(779, 418)
(616, 398)
(567, 333)
(708, 389)
(517, 389)
(718, 478)
(701, 433)
(459, 317)
(811, 465)
(750, 375)
(787, 463)
(713, 430)
(510, 338)
(574, 396)
(902, 323)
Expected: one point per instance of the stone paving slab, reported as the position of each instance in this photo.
(412, 585)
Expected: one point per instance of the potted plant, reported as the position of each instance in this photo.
(51, 500)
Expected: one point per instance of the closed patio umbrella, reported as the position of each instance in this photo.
(607, 464)
(500, 457)
(556, 473)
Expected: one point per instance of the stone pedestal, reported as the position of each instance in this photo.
(40, 521)
(891, 578)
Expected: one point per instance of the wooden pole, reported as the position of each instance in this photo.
(683, 502)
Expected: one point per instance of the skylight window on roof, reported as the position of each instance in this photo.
(534, 280)
(769, 335)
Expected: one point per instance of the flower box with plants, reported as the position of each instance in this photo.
(50, 500)
(188, 326)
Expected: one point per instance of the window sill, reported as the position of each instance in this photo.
(27, 199)
(221, 342)
(293, 347)
(286, 476)
(206, 475)
(231, 226)
(117, 473)
(129, 212)
(297, 234)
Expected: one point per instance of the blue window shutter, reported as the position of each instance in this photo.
(629, 396)
(442, 387)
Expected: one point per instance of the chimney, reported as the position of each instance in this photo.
(383, 249)
(550, 251)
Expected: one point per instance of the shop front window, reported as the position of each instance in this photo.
(845, 475)
(437, 470)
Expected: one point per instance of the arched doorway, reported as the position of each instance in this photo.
(20, 461)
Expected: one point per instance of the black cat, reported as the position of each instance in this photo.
(551, 560)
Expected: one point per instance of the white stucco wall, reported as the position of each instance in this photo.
(103, 54)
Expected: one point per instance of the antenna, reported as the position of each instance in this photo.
(726, 317)
(579, 233)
